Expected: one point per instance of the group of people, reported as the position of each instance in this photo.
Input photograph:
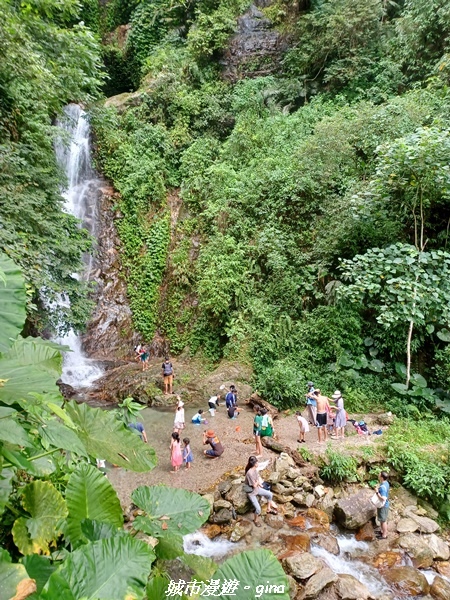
(327, 418)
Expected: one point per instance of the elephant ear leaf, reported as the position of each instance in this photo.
(47, 509)
(90, 495)
(14, 579)
(12, 302)
(171, 510)
(252, 569)
(113, 568)
(106, 437)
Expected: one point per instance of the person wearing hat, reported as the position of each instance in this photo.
(341, 418)
(216, 450)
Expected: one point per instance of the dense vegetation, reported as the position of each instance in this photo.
(315, 199)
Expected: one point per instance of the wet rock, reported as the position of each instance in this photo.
(288, 510)
(418, 549)
(318, 516)
(407, 580)
(238, 498)
(293, 544)
(356, 510)
(322, 579)
(212, 531)
(298, 521)
(407, 525)
(328, 503)
(328, 542)
(387, 560)
(218, 504)
(302, 565)
(66, 390)
(440, 589)
(349, 588)
(438, 547)
(443, 568)
(224, 515)
(240, 530)
(366, 533)
(274, 521)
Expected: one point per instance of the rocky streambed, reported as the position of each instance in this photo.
(325, 538)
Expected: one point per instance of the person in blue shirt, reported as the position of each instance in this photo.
(139, 428)
(382, 513)
(198, 418)
(231, 397)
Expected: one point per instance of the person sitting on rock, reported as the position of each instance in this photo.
(216, 450)
(253, 488)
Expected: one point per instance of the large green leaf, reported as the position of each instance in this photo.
(419, 380)
(107, 438)
(60, 436)
(11, 574)
(252, 569)
(6, 476)
(30, 365)
(444, 335)
(94, 530)
(169, 510)
(12, 303)
(113, 568)
(157, 588)
(47, 509)
(38, 568)
(400, 388)
(90, 495)
(12, 432)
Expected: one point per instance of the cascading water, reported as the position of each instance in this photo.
(81, 197)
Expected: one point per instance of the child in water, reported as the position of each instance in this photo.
(187, 453)
(176, 457)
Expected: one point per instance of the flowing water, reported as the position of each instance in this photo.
(81, 196)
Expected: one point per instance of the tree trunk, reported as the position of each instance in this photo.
(275, 446)
(408, 353)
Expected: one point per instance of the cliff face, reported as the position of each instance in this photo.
(256, 48)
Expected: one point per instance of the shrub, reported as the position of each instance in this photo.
(338, 467)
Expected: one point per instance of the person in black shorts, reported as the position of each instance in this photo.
(323, 407)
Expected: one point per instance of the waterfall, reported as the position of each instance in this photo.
(73, 154)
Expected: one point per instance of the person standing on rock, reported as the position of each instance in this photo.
(168, 374)
(341, 418)
(383, 512)
(323, 407)
(216, 450)
(253, 488)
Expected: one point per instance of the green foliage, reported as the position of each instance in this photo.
(255, 569)
(48, 63)
(12, 300)
(338, 467)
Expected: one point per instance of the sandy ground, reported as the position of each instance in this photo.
(236, 436)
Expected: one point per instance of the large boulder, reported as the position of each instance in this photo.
(349, 588)
(238, 498)
(356, 510)
(322, 579)
(407, 525)
(327, 542)
(302, 565)
(426, 525)
(407, 580)
(443, 568)
(438, 547)
(440, 589)
(222, 516)
(418, 549)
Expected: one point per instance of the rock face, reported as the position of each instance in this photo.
(238, 498)
(407, 580)
(356, 510)
(256, 48)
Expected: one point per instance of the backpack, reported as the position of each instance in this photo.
(167, 368)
